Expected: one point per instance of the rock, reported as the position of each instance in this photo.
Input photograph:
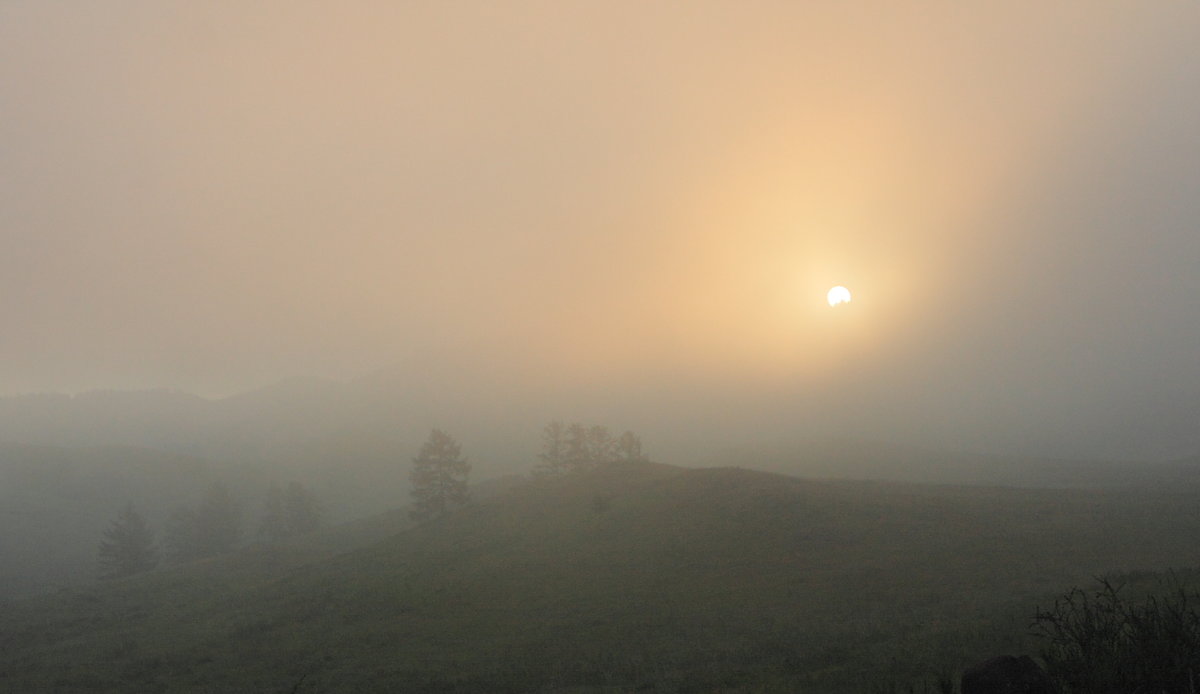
(1007, 675)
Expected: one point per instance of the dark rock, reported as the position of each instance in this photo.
(1007, 675)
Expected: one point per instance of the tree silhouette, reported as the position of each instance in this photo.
(601, 446)
(553, 458)
(629, 448)
(577, 455)
(128, 546)
(576, 447)
(214, 527)
(439, 476)
(289, 512)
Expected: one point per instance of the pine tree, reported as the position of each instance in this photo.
(214, 527)
(439, 476)
(287, 513)
(128, 546)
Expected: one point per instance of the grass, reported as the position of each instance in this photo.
(636, 577)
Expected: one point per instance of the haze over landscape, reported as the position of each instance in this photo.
(621, 202)
(900, 298)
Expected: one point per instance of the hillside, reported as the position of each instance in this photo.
(635, 576)
(842, 458)
(55, 502)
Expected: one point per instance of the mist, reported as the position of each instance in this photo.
(485, 347)
(628, 203)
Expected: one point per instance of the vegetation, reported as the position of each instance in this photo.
(1110, 640)
(439, 477)
(128, 546)
(575, 447)
(684, 580)
(214, 527)
(289, 512)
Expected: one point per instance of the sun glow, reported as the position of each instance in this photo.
(838, 295)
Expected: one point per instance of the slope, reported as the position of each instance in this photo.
(639, 576)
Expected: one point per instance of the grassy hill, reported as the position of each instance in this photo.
(639, 576)
(844, 458)
(55, 502)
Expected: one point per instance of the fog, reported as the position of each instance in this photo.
(620, 212)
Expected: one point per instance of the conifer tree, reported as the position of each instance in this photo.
(289, 512)
(214, 527)
(128, 546)
(439, 476)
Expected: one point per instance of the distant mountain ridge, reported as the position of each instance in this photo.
(378, 421)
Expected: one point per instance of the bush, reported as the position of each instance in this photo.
(1100, 642)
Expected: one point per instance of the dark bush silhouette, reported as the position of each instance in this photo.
(1100, 642)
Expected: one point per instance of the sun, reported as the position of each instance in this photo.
(838, 295)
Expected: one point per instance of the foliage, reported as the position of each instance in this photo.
(439, 476)
(1101, 642)
(576, 447)
(214, 527)
(691, 580)
(128, 546)
(552, 458)
(289, 512)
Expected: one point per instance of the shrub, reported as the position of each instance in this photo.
(1100, 642)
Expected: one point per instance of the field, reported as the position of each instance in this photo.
(633, 577)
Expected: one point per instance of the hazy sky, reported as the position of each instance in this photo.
(641, 199)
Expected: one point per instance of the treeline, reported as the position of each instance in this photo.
(575, 447)
(439, 481)
(440, 473)
(213, 526)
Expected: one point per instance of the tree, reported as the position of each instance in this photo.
(601, 447)
(577, 455)
(577, 447)
(128, 546)
(214, 527)
(552, 459)
(289, 512)
(439, 476)
(629, 448)
(180, 536)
